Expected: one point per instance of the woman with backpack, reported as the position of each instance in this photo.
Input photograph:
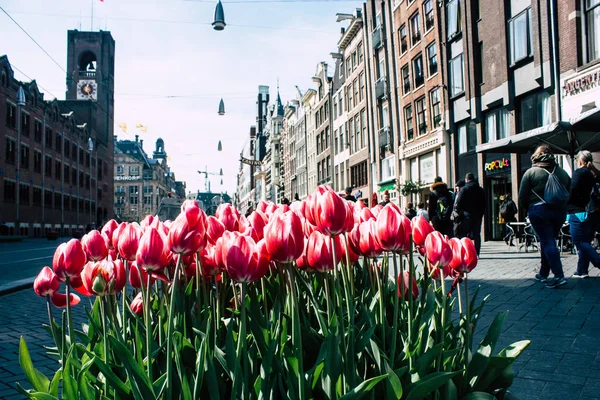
(544, 193)
(582, 213)
(508, 212)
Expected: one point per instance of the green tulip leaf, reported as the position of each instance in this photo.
(38, 380)
(420, 389)
(364, 388)
(481, 358)
(55, 383)
(69, 383)
(479, 396)
(141, 386)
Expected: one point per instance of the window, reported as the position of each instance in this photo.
(418, 71)
(356, 93)
(388, 168)
(421, 108)
(358, 174)
(496, 125)
(357, 132)
(436, 109)
(592, 29)
(402, 38)
(348, 67)
(341, 105)
(453, 21)
(456, 76)
(534, 111)
(360, 53)
(57, 200)
(24, 194)
(341, 69)
(134, 170)
(428, 11)
(24, 156)
(66, 173)
(363, 124)
(432, 59)
(67, 149)
(37, 161)
(467, 139)
(25, 125)
(354, 61)
(408, 117)
(58, 143)
(120, 189)
(74, 204)
(48, 137)
(66, 202)
(350, 101)
(87, 181)
(133, 189)
(11, 115)
(361, 82)
(37, 131)
(120, 170)
(520, 36)
(57, 170)
(10, 193)
(11, 151)
(37, 196)
(74, 176)
(415, 29)
(47, 198)
(87, 159)
(74, 152)
(335, 106)
(405, 79)
(48, 166)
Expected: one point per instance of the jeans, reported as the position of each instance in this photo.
(547, 221)
(582, 227)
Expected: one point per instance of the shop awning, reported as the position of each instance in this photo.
(567, 137)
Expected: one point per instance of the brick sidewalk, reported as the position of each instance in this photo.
(563, 361)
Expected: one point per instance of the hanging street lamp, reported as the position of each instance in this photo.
(221, 108)
(219, 22)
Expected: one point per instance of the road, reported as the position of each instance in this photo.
(22, 261)
(563, 361)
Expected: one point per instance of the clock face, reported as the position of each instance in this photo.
(87, 89)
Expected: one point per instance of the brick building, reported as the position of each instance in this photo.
(56, 169)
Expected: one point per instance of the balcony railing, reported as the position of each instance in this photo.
(381, 88)
(385, 137)
(377, 38)
(87, 74)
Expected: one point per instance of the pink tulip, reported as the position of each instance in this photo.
(229, 216)
(330, 212)
(46, 283)
(363, 239)
(403, 286)
(437, 249)
(137, 305)
(107, 231)
(258, 221)
(319, 253)
(95, 245)
(284, 237)
(116, 234)
(246, 260)
(393, 229)
(187, 234)
(69, 259)
(103, 277)
(420, 229)
(151, 254)
(214, 229)
(464, 257)
(129, 238)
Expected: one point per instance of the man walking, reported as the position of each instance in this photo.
(441, 203)
(469, 207)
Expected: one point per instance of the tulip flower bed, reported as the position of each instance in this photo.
(290, 303)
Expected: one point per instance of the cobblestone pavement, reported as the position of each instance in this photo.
(563, 361)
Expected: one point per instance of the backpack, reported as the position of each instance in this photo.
(504, 209)
(555, 193)
(443, 208)
(507, 209)
(593, 206)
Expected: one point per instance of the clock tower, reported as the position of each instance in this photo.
(90, 77)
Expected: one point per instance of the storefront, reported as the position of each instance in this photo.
(498, 183)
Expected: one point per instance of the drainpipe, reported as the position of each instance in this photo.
(555, 62)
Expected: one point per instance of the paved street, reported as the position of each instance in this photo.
(563, 361)
(22, 261)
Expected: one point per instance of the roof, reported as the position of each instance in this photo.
(280, 110)
(133, 149)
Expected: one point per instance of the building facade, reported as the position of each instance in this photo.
(57, 169)
(142, 182)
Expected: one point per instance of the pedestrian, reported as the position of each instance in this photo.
(469, 207)
(546, 213)
(508, 212)
(582, 221)
(296, 197)
(441, 204)
(410, 211)
(422, 211)
(386, 198)
(348, 195)
(285, 201)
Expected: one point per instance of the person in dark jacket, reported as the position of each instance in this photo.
(582, 224)
(469, 207)
(348, 195)
(508, 212)
(410, 211)
(546, 219)
(441, 204)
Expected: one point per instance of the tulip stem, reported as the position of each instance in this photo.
(468, 317)
(381, 300)
(218, 303)
(443, 324)
(242, 337)
(69, 316)
(124, 300)
(396, 304)
(350, 267)
(147, 306)
(296, 330)
(102, 300)
(171, 316)
(460, 312)
(51, 320)
(411, 273)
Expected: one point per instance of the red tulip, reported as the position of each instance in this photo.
(464, 257)
(437, 249)
(302, 261)
(116, 234)
(107, 230)
(393, 229)
(319, 253)
(363, 214)
(147, 221)
(420, 229)
(376, 210)
(246, 260)
(229, 216)
(137, 305)
(258, 221)
(69, 259)
(134, 277)
(187, 234)
(214, 229)
(262, 206)
(129, 239)
(342, 244)
(151, 254)
(330, 212)
(103, 277)
(284, 237)
(46, 283)
(222, 247)
(207, 260)
(363, 239)
(403, 286)
(60, 299)
(95, 246)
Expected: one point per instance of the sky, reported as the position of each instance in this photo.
(168, 48)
